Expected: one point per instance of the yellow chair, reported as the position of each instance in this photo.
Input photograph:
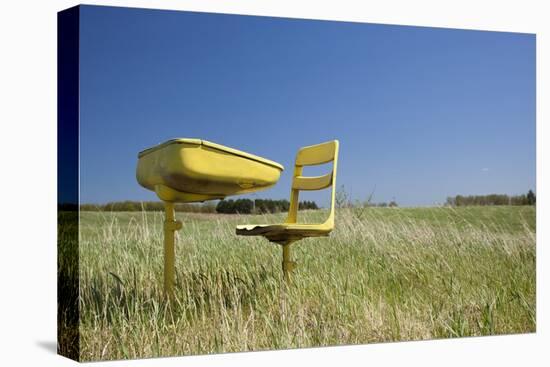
(289, 232)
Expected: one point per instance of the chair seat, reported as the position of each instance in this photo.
(284, 232)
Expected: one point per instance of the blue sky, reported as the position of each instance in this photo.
(421, 113)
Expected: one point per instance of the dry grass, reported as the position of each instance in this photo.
(383, 275)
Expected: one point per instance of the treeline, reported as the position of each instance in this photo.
(258, 206)
(492, 199)
(150, 206)
(391, 204)
(243, 206)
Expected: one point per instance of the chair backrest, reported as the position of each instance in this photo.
(311, 156)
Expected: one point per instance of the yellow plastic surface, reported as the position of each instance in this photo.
(290, 231)
(191, 170)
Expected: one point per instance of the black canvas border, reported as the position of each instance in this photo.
(68, 313)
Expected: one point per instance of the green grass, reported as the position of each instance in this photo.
(384, 274)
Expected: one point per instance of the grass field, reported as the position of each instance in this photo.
(384, 274)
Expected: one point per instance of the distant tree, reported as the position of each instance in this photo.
(302, 205)
(225, 206)
(531, 198)
(243, 206)
(450, 201)
(392, 204)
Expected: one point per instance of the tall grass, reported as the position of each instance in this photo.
(384, 274)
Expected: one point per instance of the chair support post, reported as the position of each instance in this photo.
(171, 225)
(291, 230)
